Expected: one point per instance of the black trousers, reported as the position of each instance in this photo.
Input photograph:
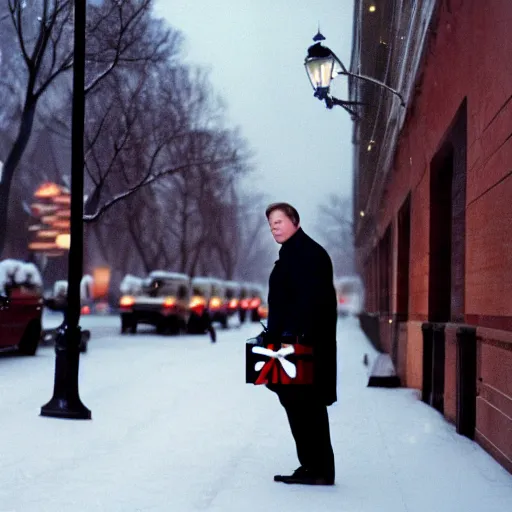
(309, 423)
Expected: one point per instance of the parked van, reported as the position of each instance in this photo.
(21, 306)
(163, 301)
(350, 295)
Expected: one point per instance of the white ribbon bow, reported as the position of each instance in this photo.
(289, 368)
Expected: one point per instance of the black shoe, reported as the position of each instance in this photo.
(304, 476)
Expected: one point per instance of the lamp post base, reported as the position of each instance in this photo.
(66, 409)
(66, 402)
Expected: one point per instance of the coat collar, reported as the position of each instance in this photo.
(292, 242)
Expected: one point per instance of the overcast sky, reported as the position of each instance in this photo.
(255, 51)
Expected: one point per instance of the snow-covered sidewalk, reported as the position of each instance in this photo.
(175, 429)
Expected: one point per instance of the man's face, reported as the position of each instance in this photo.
(281, 226)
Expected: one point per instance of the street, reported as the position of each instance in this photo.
(175, 428)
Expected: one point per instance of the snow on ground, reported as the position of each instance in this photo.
(175, 429)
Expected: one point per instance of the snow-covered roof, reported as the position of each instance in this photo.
(16, 272)
(232, 285)
(204, 280)
(162, 274)
(131, 285)
(255, 287)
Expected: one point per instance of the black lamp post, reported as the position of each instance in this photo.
(322, 65)
(66, 402)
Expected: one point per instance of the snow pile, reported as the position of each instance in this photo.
(131, 285)
(163, 274)
(18, 273)
(60, 288)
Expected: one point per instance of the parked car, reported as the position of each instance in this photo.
(350, 295)
(218, 304)
(255, 301)
(244, 300)
(263, 311)
(163, 301)
(232, 292)
(200, 303)
(21, 306)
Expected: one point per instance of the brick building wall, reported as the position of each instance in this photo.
(459, 122)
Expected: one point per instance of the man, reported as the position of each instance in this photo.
(302, 307)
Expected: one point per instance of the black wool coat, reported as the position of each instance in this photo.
(302, 302)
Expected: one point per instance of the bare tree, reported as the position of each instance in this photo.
(44, 34)
(257, 251)
(335, 228)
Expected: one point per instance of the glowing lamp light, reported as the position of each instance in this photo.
(233, 304)
(372, 8)
(43, 246)
(86, 310)
(48, 190)
(48, 233)
(101, 276)
(39, 209)
(244, 303)
(62, 199)
(63, 241)
(49, 219)
(66, 214)
(322, 65)
(61, 224)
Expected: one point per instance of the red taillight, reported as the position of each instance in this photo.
(126, 301)
(86, 310)
(233, 304)
(244, 303)
(215, 303)
(255, 303)
(169, 302)
(263, 311)
(197, 305)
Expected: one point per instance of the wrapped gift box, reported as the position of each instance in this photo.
(266, 364)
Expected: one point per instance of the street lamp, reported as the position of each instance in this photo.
(66, 402)
(322, 65)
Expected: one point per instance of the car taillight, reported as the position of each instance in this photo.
(169, 302)
(126, 301)
(255, 303)
(197, 305)
(215, 303)
(263, 311)
(244, 303)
